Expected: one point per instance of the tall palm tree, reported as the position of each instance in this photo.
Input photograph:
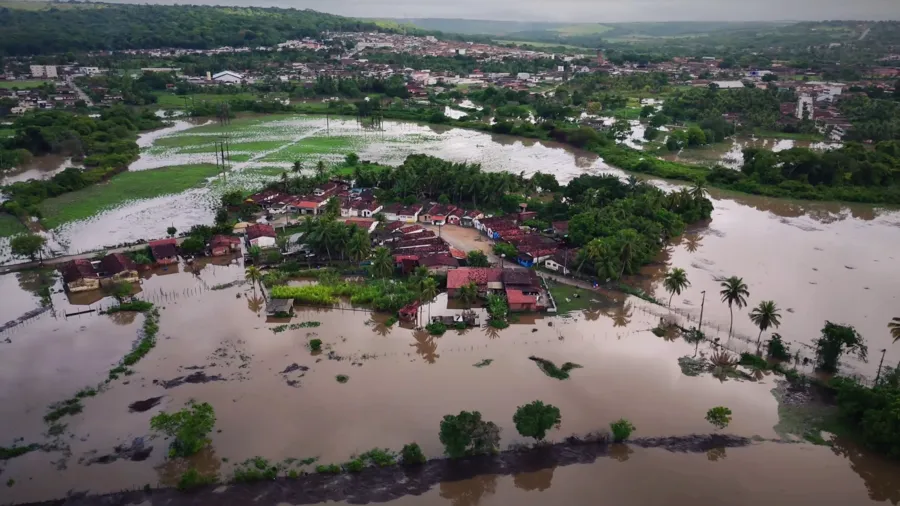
(320, 169)
(428, 291)
(468, 293)
(382, 263)
(253, 275)
(734, 293)
(765, 315)
(359, 246)
(592, 252)
(894, 325)
(297, 167)
(628, 239)
(676, 281)
(698, 191)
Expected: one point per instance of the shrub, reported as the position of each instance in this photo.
(354, 466)
(550, 369)
(328, 469)
(192, 479)
(621, 429)
(777, 348)
(63, 408)
(436, 328)
(315, 344)
(255, 469)
(342, 378)
(390, 321)
(467, 434)
(720, 417)
(189, 427)
(412, 455)
(15, 451)
(535, 419)
(379, 457)
(753, 361)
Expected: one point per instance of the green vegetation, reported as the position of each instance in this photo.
(23, 85)
(621, 429)
(328, 469)
(63, 408)
(765, 315)
(436, 328)
(467, 434)
(123, 188)
(27, 245)
(734, 293)
(411, 455)
(379, 458)
(10, 226)
(675, 281)
(315, 345)
(536, 418)
(719, 417)
(777, 349)
(192, 480)
(295, 326)
(148, 340)
(484, 363)
(835, 341)
(550, 369)
(15, 451)
(254, 470)
(342, 378)
(189, 427)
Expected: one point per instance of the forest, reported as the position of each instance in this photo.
(105, 145)
(95, 27)
(758, 108)
(876, 119)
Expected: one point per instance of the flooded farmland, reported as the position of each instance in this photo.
(275, 399)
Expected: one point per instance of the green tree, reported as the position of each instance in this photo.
(333, 208)
(382, 263)
(621, 429)
(27, 245)
(255, 253)
(629, 244)
(351, 160)
(253, 275)
(835, 341)
(505, 248)
(719, 416)
(467, 434)
(189, 427)
(477, 258)
(297, 167)
(676, 281)
(193, 245)
(171, 231)
(359, 246)
(765, 316)
(428, 292)
(536, 418)
(320, 169)
(121, 291)
(734, 293)
(468, 293)
(894, 326)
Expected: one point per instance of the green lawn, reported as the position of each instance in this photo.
(314, 146)
(814, 137)
(10, 225)
(181, 141)
(168, 100)
(560, 292)
(22, 84)
(6, 132)
(143, 184)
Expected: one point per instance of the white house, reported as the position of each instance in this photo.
(48, 71)
(554, 266)
(228, 77)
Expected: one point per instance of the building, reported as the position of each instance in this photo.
(562, 261)
(221, 245)
(280, 307)
(80, 276)
(228, 77)
(368, 226)
(117, 267)
(518, 301)
(441, 263)
(44, 72)
(261, 235)
(488, 280)
(164, 251)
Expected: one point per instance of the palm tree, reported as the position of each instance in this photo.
(628, 253)
(468, 293)
(894, 325)
(734, 293)
(252, 275)
(382, 263)
(359, 247)
(698, 191)
(676, 281)
(428, 291)
(320, 169)
(592, 251)
(765, 315)
(297, 167)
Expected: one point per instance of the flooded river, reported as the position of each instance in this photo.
(818, 261)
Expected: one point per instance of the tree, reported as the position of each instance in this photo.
(189, 428)
(764, 316)
(255, 253)
(676, 281)
(647, 111)
(536, 418)
(428, 291)
(320, 169)
(477, 258)
(734, 293)
(719, 416)
(193, 245)
(467, 434)
(382, 263)
(27, 245)
(505, 248)
(121, 290)
(297, 167)
(253, 276)
(468, 293)
(351, 160)
(359, 246)
(836, 340)
(621, 429)
(894, 326)
(171, 231)
(333, 207)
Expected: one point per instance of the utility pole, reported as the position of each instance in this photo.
(702, 302)
(877, 376)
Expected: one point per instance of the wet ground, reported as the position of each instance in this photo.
(730, 153)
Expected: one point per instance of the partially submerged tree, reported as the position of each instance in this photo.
(536, 418)
(121, 291)
(382, 263)
(719, 416)
(467, 434)
(676, 281)
(734, 293)
(27, 245)
(468, 293)
(189, 428)
(837, 340)
(253, 276)
(765, 316)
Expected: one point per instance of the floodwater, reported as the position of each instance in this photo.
(402, 382)
(730, 153)
(41, 167)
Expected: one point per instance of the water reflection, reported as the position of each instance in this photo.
(469, 492)
(123, 317)
(535, 481)
(425, 345)
(715, 454)
(620, 452)
(205, 462)
(255, 303)
(879, 474)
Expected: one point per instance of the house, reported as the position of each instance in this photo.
(439, 263)
(79, 276)
(280, 307)
(526, 281)
(370, 209)
(228, 77)
(399, 212)
(519, 301)
(487, 280)
(366, 225)
(561, 228)
(164, 252)
(221, 245)
(437, 214)
(261, 235)
(117, 267)
(469, 218)
(561, 261)
(307, 204)
(409, 312)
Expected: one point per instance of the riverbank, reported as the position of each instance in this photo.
(383, 484)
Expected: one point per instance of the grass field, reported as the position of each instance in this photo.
(539, 44)
(584, 29)
(815, 137)
(313, 146)
(166, 100)
(22, 85)
(6, 132)
(10, 225)
(578, 298)
(145, 184)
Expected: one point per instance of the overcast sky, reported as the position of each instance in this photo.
(587, 10)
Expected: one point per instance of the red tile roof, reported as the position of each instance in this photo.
(517, 297)
(439, 259)
(115, 263)
(258, 230)
(480, 275)
(78, 269)
(163, 248)
(363, 224)
(223, 240)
